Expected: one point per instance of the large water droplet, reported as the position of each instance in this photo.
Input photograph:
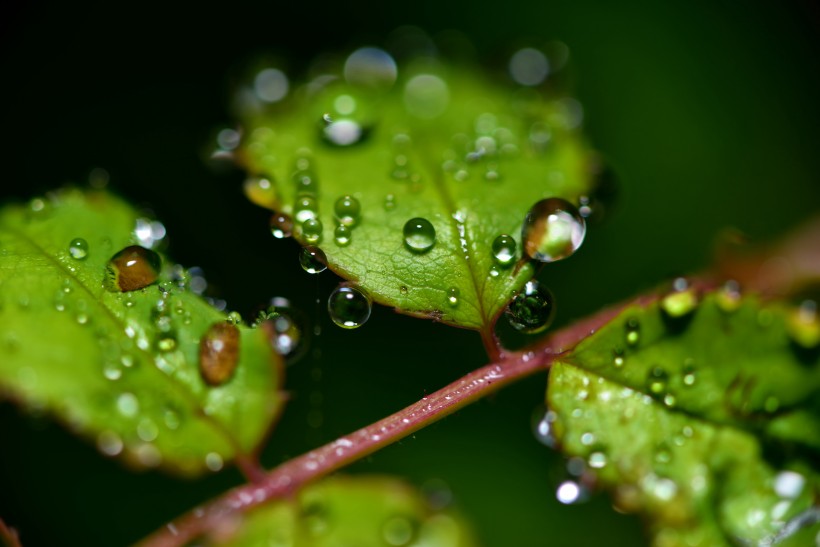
(553, 229)
(504, 250)
(419, 235)
(532, 310)
(312, 230)
(219, 353)
(78, 248)
(680, 301)
(349, 307)
(370, 66)
(313, 260)
(347, 210)
(132, 268)
(281, 226)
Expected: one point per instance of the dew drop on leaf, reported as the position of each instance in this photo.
(419, 235)
(389, 202)
(689, 373)
(213, 461)
(260, 191)
(343, 132)
(78, 248)
(219, 353)
(633, 331)
(553, 230)
(728, 298)
(306, 208)
(349, 307)
(453, 294)
(529, 67)
(281, 226)
(342, 235)
(618, 357)
(109, 443)
(306, 182)
(803, 324)
(347, 210)
(532, 310)
(312, 230)
(313, 260)
(504, 250)
(399, 531)
(283, 331)
(370, 66)
(132, 268)
(426, 96)
(127, 405)
(543, 426)
(680, 301)
(657, 381)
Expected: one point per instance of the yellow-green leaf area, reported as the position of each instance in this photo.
(447, 144)
(121, 368)
(680, 420)
(366, 511)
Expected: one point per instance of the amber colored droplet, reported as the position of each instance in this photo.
(132, 268)
(219, 353)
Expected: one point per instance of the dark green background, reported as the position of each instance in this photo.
(707, 110)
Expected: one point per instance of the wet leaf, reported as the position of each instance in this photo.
(122, 368)
(706, 422)
(443, 145)
(363, 511)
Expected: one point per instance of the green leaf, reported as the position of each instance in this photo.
(473, 170)
(121, 367)
(707, 422)
(362, 511)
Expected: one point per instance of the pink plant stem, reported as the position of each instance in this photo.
(296, 473)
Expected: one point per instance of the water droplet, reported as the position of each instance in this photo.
(618, 357)
(313, 259)
(689, 373)
(453, 294)
(553, 230)
(597, 460)
(343, 132)
(504, 250)
(543, 426)
(147, 430)
(426, 96)
(529, 66)
(219, 353)
(271, 85)
(789, 484)
(171, 419)
(306, 182)
(283, 331)
(419, 235)
(112, 370)
(109, 443)
(372, 67)
(166, 342)
(132, 268)
(213, 461)
(127, 405)
(260, 191)
(306, 208)
(348, 307)
(532, 310)
(570, 492)
(389, 202)
(347, 210)
(728, 298)
(78, 248)
(281, 226)
(342, 235)
(803, 324)
(312, 230)
(494, 272)
(657, 380)
(633, 331)
(680, 301)
(234, 318)
(398, 531)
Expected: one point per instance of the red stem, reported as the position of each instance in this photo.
(295, 473)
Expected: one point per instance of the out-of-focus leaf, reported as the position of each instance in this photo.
(706, 421)
(121, 367)
(446, 144)
(362, 511)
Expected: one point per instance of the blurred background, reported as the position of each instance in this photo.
(706, 110)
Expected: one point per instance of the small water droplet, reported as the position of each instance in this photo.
(171, 419)
(306, 208)
(260, 191)
(389, 202)
(78, 248)
(306, 182)
(398, 531)
(543, 426)
(728, 298)
(127, 405)
(283, 331)
(349, 307)
(633, 331)
(689, 373)
(109, 443)
(312, 230)
(147, 430)
(112, 370)
(618, 357)
(532, 310)
(372, 67)
(313, 260)
(342, 235)
(504, 250)
(657, 380)
(597, 460)
(803, 324)
(553, 230)
(494, 272)
(426, 96)
(213, 461)
(453, 294)
(419, 235)
(271, 85)
(347, 210)
(343, 132)
(132, 268)
(680, 301)
(529, 67)
(219, 353)
(570, 492)
(281, 226)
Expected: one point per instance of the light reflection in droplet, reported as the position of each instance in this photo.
(271, 85)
